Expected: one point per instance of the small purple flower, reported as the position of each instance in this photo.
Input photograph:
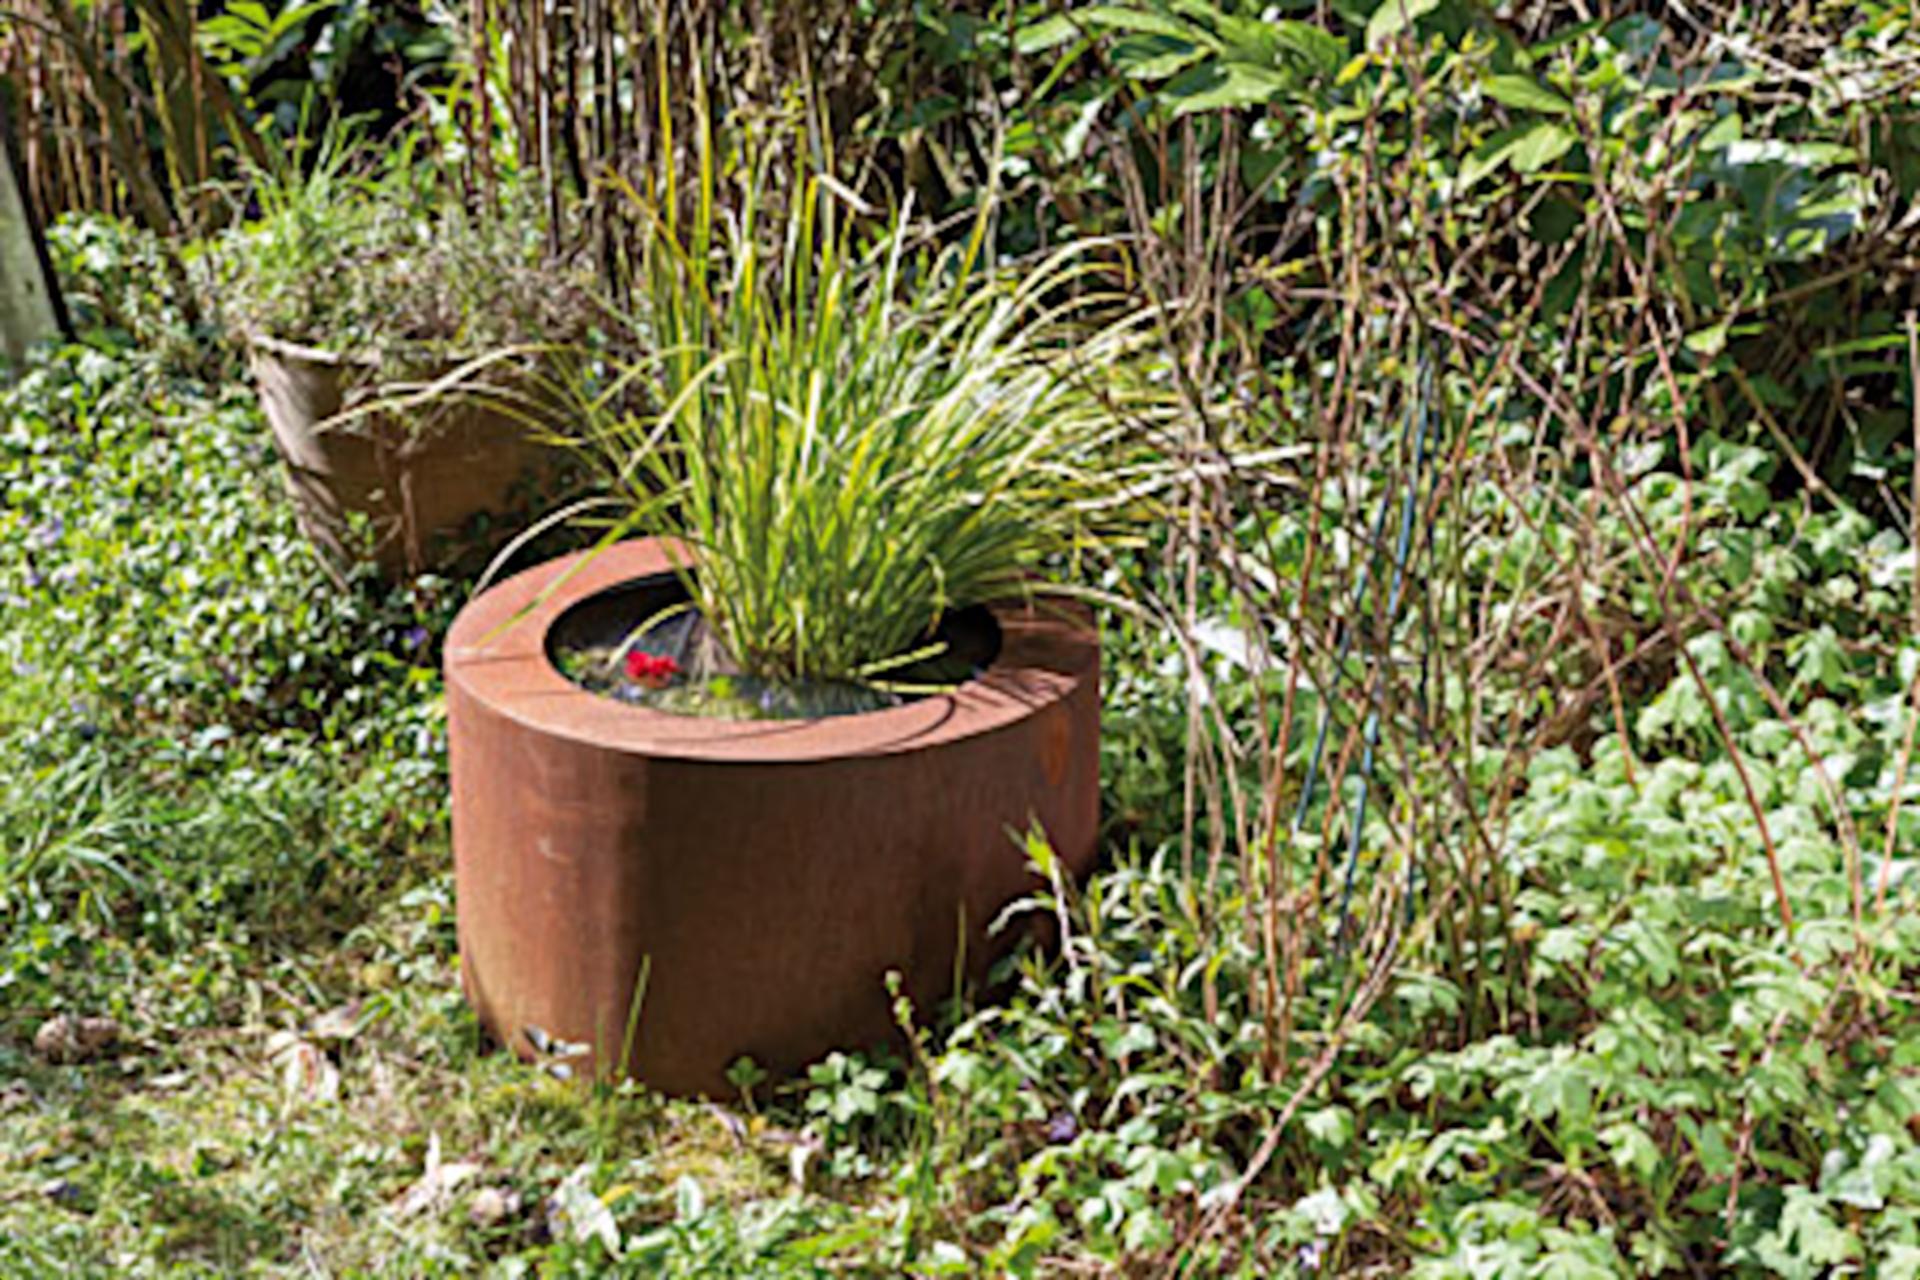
(35, 579)
(48, 534)
(1063, 1128)
(1310, 1256)
(417, 637)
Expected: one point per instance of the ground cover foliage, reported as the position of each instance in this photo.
(1544, 449)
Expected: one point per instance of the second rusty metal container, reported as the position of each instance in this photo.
(676, 893)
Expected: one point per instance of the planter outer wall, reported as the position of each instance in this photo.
(764, 876)
(419, 484)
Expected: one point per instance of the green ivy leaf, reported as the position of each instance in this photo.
(1331, 1125)
(1819, 659)
(1631, 1148)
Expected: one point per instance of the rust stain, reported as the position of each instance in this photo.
(1056, 745)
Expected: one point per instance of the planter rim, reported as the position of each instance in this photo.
(502, 662)
(286, 350)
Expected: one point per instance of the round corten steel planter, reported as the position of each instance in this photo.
(418, 484)
(763, 876)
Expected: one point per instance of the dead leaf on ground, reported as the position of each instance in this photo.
(574, 1212)
(342, 1023)
(491, 1206)
(61, 1192)
(305, 1072)
(70, 1039)
(801, 1149)
(437, 1182)
(736, 1127)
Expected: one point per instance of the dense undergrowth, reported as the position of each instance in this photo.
(225, 818)
(1545, 432)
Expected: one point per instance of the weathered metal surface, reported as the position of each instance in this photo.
(764, 877)
(417, 483)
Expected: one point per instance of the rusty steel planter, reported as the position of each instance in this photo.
(417, 483)
(765, 876)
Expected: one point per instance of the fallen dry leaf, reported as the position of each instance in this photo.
(307, 1073)
(491, 1206)
(68, 1039)
(61, 1192)
(342, 1023)
(574, 1212)
(736, 1127)
(437, 1182)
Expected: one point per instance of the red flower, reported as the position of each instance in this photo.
(652, 670)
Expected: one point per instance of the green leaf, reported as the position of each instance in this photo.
(1863, 1185)
(1527, 94)
(1808, 1233)
(1355, 65)
(1631, 1148)
(1490, 155)
(1878, 342)
(1321, 51)
(1046, 33)
(1540, 146)
(1331, 1125)
(1708, 342)
(1225, 84)
(1120, 18)
(1820, 659)
(1154, 57)
(1395, 16)
(943, 1259)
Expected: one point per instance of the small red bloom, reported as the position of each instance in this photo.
(652, 670)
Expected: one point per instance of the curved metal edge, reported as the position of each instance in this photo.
(496, 652)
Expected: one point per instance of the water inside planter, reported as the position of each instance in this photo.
(588, 644)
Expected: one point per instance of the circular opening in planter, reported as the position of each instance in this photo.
(674, 664)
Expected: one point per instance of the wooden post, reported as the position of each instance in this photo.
(30, 306)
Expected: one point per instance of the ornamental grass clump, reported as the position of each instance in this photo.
(853, 445)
